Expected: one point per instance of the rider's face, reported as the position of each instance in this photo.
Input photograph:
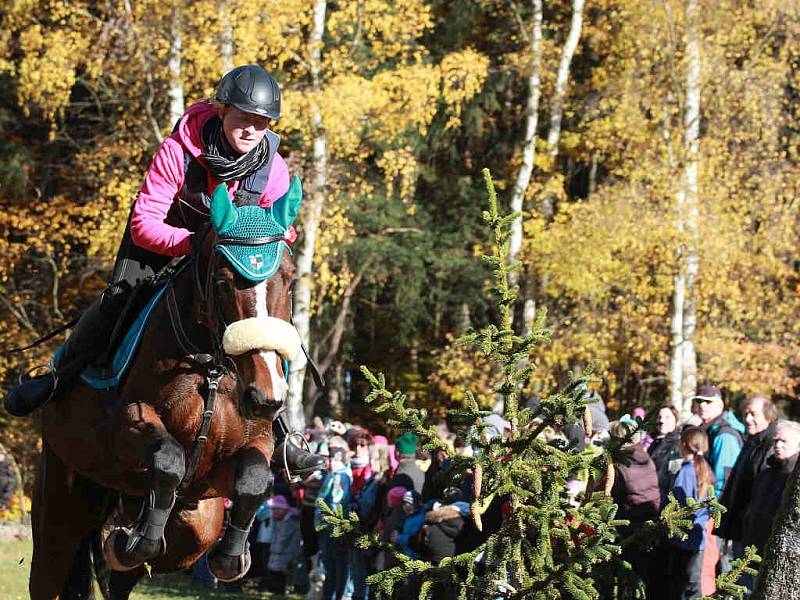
(244, 130)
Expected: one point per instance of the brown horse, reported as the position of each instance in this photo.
(223, 346)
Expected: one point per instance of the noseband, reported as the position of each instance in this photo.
(217, 364)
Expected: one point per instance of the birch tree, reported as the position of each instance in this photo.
(175, 91)
(683, 362)
(226, 46)
(312, 213)
(529, 145)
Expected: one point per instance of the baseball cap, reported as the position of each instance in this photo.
(708, 393)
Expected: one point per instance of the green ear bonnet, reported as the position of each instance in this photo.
(262, 261)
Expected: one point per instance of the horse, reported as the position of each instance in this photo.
(190, 424)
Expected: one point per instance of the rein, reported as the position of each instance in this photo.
(212, 364)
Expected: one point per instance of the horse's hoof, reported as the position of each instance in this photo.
(109, 549)
(226, 567)
(120, 558)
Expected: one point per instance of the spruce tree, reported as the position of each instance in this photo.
(545, 548)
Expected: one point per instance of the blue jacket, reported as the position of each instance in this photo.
(685, 486)
(725, 435)
(335, 491)
(409, 529)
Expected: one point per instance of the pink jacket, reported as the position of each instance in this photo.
(164, 181)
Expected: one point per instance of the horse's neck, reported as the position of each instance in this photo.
(186, 297)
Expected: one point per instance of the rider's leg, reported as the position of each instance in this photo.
(92, 333)
(229, 560)
(299, 461)
(89, 338)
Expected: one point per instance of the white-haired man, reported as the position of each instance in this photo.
(769, 485)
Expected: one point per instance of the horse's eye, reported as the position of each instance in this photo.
(291, 285)
(223, 283)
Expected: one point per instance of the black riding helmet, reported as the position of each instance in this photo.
(252, 90)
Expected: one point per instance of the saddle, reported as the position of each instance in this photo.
(107, 371)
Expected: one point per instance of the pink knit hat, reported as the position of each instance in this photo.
(395, 496)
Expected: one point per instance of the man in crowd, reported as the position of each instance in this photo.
(724, 433)
(406, 449)
(760, 417)
(769, 485)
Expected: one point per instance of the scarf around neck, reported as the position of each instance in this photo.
(223, 161)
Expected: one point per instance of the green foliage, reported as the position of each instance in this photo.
(726, 583)
(545, 547)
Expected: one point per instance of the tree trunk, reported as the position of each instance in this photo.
(333, 340)
(683, 367)
(175, 92)
(557, 106)
(144, 59)
(529, 147)
(226, 49)
(312, 214)
(779, 575)
(553, 139)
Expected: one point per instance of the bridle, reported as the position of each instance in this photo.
(216, 364)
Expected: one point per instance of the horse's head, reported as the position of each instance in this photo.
(246, 295)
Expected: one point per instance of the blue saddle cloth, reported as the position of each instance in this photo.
(111, 375)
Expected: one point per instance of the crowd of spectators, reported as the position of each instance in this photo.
(413, 501)
(745, 465)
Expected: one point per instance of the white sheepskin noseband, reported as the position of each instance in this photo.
(262, 333)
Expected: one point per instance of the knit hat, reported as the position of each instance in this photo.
(395, 496)
(408, 497)
(277, 502)
(406, 443)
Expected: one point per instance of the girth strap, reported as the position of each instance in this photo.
(213, 378)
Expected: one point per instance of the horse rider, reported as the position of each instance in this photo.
(225, 140)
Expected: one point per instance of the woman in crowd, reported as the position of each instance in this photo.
(664, 448)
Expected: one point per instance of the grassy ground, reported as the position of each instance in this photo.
(15, 558)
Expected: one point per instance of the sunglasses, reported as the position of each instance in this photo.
(704, 400)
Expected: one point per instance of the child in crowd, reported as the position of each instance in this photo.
(694, 559)
(406, 536)
(335, 492)
(283, 533)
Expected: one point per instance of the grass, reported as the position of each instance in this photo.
(15, 560)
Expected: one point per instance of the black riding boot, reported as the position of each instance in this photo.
(89, 338)
(300, 462)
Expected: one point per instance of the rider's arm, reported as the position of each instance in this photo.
(278, 183)
(161, 184)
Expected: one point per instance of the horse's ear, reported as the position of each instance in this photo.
(285, 208)
(223, 212)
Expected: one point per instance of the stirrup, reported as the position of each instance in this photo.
(295, 479)
(288, 435)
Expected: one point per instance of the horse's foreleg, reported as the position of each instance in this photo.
(166, 466)
(229, 559)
